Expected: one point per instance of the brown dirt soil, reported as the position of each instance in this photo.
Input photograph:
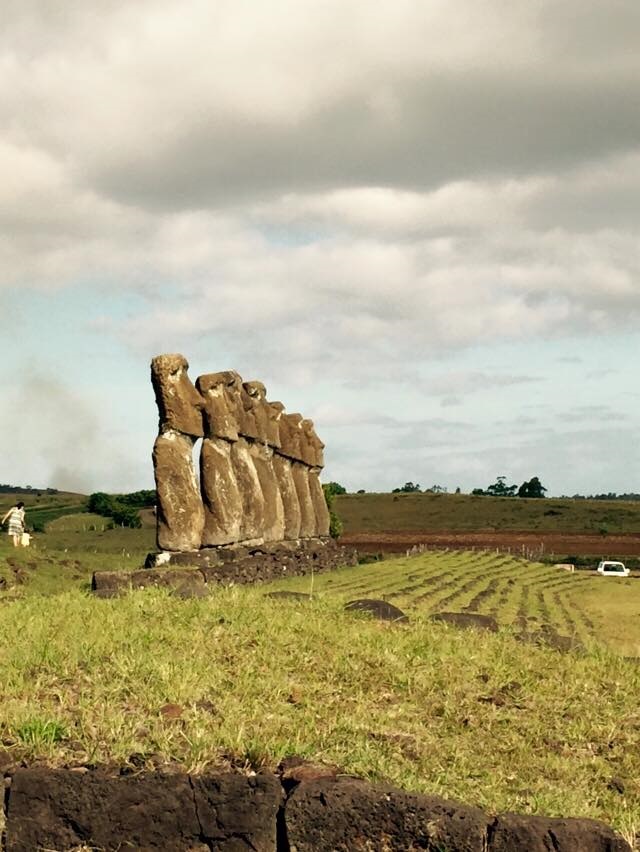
(398, 541)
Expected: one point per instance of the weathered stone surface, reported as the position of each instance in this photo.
(238, 813)
(300, 474)
(63, 810)
(512, 832)
(179, 403)
(290, 433)
(320, 508)
(110, 584)
(185, 582)
(221, 497)
(273, 519)
(382, 610)
(274, 412)
(467, 620)
(219, 392)
(352, 815)
(289, 496)
(252, 520)
(180, 514)
(315, 444)
(254, 403)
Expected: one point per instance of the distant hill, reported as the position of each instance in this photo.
(42, 505)
(26, 489)
(463, 512)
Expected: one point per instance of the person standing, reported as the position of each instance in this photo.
(16, 522)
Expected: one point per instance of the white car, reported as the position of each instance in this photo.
(613, 569)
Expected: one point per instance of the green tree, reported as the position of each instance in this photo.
(335, 524)
(500, 488)
(532, 488)
(407, 488)
(334, 488)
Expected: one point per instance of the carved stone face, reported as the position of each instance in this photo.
(291, 435)
(256, 417)
(312, 446)
(221, 408)
(256, 390)
(179, 403)
(275, 410)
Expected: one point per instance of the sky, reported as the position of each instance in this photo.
(418, 223)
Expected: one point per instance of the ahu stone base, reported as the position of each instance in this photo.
(192, 574)
(67, 810)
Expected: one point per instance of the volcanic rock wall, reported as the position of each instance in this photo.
(259, 466)
(301, 809)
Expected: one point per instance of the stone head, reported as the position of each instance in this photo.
(255, 410)
(221, 403)
(275, 411)
(256, 390)
(179, 403)
(312, 446)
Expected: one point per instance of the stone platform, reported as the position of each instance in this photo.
(192, 574)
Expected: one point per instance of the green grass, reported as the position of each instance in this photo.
(480, 717)
(462, 512)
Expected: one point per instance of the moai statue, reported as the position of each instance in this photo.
(180, 514)
(313, 455)
(257, 425)
(282, 469)
(253, 505)
(291, 437)
(223, 505)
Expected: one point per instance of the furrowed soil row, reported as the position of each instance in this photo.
(440, 581)
(460, 590)
(579, 627)
(477, 601)
(387, 580)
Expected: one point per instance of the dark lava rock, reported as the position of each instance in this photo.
(467, 620)
(511, 832)
(548, 637)
(62, 810)
(382, 610)
(110, 584)
(294, 596)
(294, 770)
(349, 814)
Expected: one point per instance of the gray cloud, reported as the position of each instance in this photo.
(58, 438)
(336, 194)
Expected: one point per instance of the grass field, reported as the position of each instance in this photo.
(242, 679)
(464, 512)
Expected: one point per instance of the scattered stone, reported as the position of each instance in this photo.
(617, 785)
(382, 610)
(467, 620)
(286, 595)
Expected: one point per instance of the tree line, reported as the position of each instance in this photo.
(122, 508)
